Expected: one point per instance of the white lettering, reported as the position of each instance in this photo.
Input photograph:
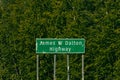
(47, 42)
(41, 43)
(73, 43)
(66, 42)
(59, 49)
(60, 42)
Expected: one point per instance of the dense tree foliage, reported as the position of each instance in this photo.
(22, 21)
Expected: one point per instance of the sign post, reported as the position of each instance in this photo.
(82, 67)
(60, 46)
(68, 71)
(37, 61)
(54, 66)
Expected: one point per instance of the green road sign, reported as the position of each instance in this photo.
(53, 45)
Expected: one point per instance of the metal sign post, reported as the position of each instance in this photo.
(68, 76)
(37, 67)
(82, 67)
(54, 67)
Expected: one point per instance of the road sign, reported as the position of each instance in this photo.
(53, 45)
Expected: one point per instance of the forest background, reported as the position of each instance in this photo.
(22, 21)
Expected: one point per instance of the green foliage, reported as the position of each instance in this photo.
(22, 21)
